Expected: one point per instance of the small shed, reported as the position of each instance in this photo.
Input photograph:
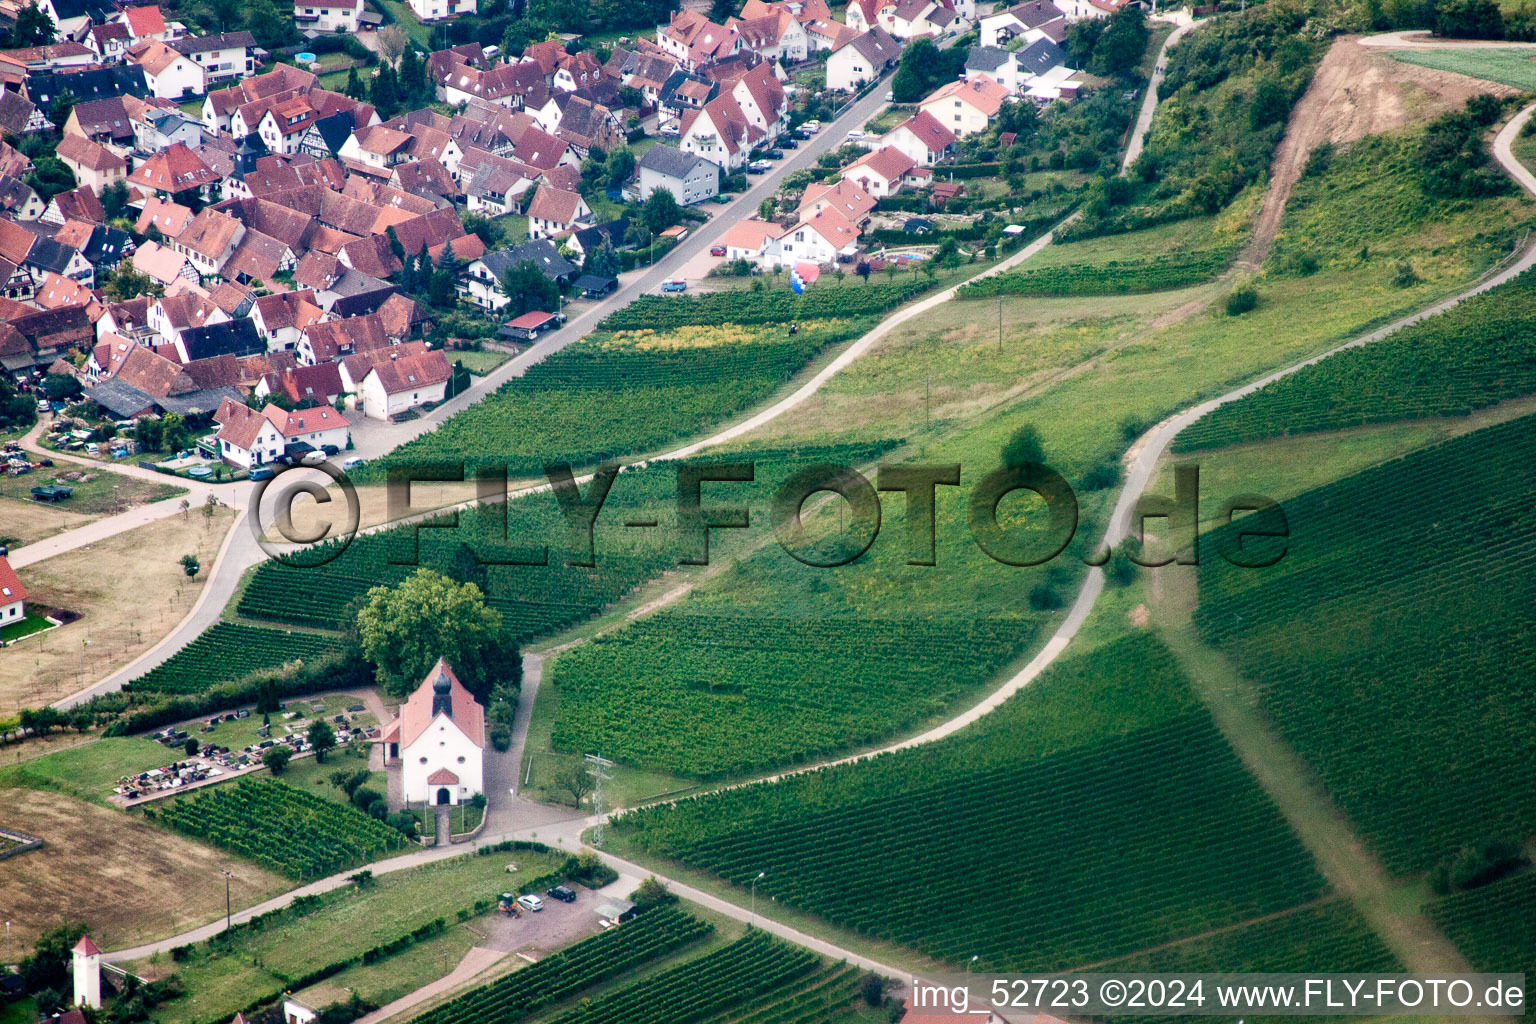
(595, 286)
(529, 326)
(614, 911)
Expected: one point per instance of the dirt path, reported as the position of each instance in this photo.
(1356, 91)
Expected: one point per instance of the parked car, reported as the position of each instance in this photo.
(312, 458)
(856, 135)
(759, 167)
(563, 893)
(721, 199)
(671, 131)
(717, 250)
(330, 449)
(811, 127)
(788, 142)
(674, 285)
(774, 154)
(890, 97)
(531, 901)
(262, 473)
(353, 463)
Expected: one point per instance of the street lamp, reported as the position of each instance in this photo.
(759, 878)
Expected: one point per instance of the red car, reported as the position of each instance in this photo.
(717, 250)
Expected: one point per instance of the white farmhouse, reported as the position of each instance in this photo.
(248, 438)
(13, 596)
(437, 742)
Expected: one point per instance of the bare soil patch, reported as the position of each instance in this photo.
(1357, 91)
(128, 590)
(128, 880)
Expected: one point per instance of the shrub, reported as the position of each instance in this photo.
(1244, 298)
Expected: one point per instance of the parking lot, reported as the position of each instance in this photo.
(557, 925)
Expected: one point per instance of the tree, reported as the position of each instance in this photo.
(575, 780)
(1270, 104)
(529, 289)
(61, 387)
(33, 28)
(404, 629)
(923, 68)
(441, 292)
(449, 260)
(721, 10)
(491, 232)
(1024, 447)
(322, 737)
(603, 261)
(354, 89)
(1469, 19)
(621, 167)
(652, 893)
(114, 199)
(412, 80)
(277, 757)
(190, 565)
(49, 175)
(191, 746)
(176, 433)
(767, 208)
(392, 42)
(862, 268)
(385, 94)
(273, 29)
(660, 211)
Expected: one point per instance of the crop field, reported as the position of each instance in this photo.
(1510, 66)
(232, 651)
(1480, 353)
(754, 969)
(660, 369)
(1115, 277)
(1494, 926)
(1331, 933)
(281, 828)
(654, 934)
(534, 600)
(728, 695)
(1406, 588)
(1128, 822)
(763, 307)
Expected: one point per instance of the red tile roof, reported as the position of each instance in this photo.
(144, 21)
(442, 777)
(12, 590)
(416, 713)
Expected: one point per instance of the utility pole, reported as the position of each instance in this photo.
(999, 322)
(228, 915)
(597, 767)
(759, 878)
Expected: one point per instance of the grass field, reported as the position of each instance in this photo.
(129, 591)
(145, 883)
(95, 491)
(348, 922)
(27, 521)
(480, 363)
(89, 771)
(1512, 66)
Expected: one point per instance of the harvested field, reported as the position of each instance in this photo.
(128, 880)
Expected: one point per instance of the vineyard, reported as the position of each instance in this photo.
(756, 968)
(1493, 926)
(1331, 936)
(652, 935)
(281, 828)
(600, 398)
(1392, 644)
(1116, 277)
(534, 600)
(1126, 817)
(231, 651)
(1479, 353)
(728, 695)
(762, 307)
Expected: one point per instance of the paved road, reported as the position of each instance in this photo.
(1149, 100)
(1422, 40)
